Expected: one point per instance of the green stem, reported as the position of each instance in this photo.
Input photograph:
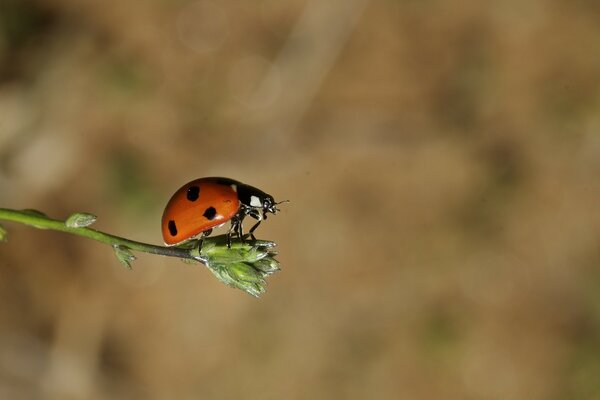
(242, 264)
(40, 221)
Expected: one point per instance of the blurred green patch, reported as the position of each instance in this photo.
(583, 375)
(130, 185)
(583, 367)
(441, 334)
(124, 76)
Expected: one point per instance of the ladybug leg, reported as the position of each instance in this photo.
(250, 232)
(233, 229)
(260, 219)
(238, 228)
(202, 236)
(240, 231)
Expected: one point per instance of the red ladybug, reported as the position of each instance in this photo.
(205, 203)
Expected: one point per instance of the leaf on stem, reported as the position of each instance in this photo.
(80, 220)
(3, 234)
(33, 212)
(124, 255)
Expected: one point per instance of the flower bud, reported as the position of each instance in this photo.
(80, 220)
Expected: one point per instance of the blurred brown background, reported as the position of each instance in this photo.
(442, 160)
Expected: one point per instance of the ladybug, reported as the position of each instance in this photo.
(206, 203)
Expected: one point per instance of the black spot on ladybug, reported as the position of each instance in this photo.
(193, 193)
(210, 213)
(172, 228)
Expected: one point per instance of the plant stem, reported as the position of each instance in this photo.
(40, 221)
(242, 264)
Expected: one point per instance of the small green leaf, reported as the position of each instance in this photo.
(3, 234)
(124, 255)
(33, 212)
(80, 220)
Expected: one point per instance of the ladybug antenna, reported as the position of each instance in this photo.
(279, 202)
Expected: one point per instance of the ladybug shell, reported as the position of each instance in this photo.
(198, 206)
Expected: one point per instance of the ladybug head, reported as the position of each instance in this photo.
(270, 206)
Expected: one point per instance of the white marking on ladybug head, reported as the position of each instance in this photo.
(255, 201)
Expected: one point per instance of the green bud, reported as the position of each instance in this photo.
(80, 220)
(267, 265)
(124, 255)
(240, 278)
(3, 234)
(254, 289)
(243, 266)
(242, 272)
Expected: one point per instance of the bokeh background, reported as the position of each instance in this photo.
(442, 160)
